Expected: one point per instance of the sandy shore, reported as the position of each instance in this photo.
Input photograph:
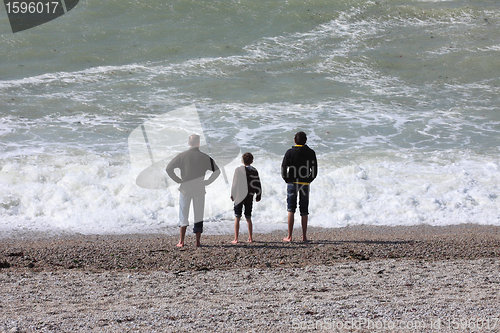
(416, 279)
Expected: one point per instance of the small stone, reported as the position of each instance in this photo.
(4, 264)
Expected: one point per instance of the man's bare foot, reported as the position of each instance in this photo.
(287, 239)
(180, 244)
(235, 241)
(198, 244)
(305, 240)
(250, 240)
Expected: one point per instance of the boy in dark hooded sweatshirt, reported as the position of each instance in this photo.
(299, 169)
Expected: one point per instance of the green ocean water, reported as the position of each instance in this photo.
(399, 98)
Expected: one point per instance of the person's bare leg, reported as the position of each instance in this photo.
(183, 235)
(198, 237)
(304, 228)
(236, 229)
(250, 226)
(290, 227)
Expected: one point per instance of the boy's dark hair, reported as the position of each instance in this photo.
(300, 138)
(247, 158)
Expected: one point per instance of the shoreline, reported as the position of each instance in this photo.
(326, 246)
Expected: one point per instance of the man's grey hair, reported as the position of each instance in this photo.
(194, 140)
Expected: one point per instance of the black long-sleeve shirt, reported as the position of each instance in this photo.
(299, 165)
(246, 182)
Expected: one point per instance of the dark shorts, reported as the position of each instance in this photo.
(302, 191)
(247, 203)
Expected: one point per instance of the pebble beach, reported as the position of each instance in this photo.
(355, 279)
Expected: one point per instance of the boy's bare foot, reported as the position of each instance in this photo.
(250, 240)
(287, 239)
(305, 240)
(180, 244)
(198, 244)
(235, 241)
